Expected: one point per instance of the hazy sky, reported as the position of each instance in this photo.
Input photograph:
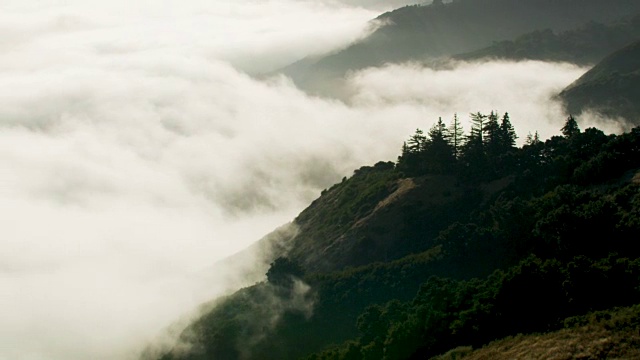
(134, 151)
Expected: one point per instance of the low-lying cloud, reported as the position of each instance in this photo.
(135, 152)
(524, 89)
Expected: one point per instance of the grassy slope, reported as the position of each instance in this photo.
(377, 216)
(601, 335)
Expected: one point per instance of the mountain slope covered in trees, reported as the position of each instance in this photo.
(530, 236)
(416, 33)
(612, 87)
(585, 45)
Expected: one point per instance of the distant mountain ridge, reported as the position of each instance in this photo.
(586, 45)
(611, 88)
(415, 33)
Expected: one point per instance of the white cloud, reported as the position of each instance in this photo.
(134, 154)
(524, 89)
(254, 35)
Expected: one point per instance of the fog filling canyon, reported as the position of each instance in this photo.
(135, 151)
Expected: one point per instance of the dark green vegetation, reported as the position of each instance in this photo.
(417, 33)
(463, 241)
(611, 88)
(586, 45)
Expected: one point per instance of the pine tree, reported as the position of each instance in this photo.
(411, 161)
(473, 158)
(439, 154)
(417, 141)
(532, 139)
(404, 153)
(529, 139)
(507, 133)
(477, 125)
(439, 132)
(456, 136)
(492, 138)
(570, 128)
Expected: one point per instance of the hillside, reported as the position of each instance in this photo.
(416, 33)
(409, 260)
(375, 216)
(612, 87)
(586, 45)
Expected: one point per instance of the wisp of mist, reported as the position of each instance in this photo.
(135, 151)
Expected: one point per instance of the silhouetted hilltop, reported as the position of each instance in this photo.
(586, 45)
(612, 87)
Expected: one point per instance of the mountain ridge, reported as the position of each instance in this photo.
(611, 88)
(586, 45)
(418, 33)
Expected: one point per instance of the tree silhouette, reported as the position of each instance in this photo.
(473, 158)
(477, 125)
(439, 154)
(570, 128)
(492, 136)
(417, 141)
(456, 136)
(411, 161)
(508, 133)
(532, 139)
(283, 271)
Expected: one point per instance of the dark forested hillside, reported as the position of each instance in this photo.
(586, 45)
(462, 241)
(612, 87)
(421, 32)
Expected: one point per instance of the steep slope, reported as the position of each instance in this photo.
(586, 45)
(377, 216)
(421, 32)
(612, 87)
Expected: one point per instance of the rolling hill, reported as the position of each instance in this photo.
(611, 88)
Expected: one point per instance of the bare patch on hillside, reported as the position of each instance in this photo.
(404, 186)
(588, 342)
